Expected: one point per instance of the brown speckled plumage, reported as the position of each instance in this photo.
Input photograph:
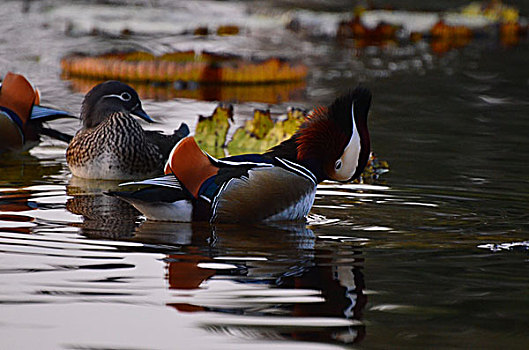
(112, 144)
(117, 146)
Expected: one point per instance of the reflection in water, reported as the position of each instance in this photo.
(17, 171)
(343, 293)
(250, 271)
(23, 169)
(11, 203)
(273, 93)
(279, 276)
(277, 271)
(103, 216)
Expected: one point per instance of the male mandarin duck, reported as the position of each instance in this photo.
(111, 143)
(21, 116)
(278, 185)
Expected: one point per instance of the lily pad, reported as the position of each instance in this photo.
(211, 131)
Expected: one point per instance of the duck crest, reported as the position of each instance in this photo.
(329, 134)
(320, 137)
(330, 128)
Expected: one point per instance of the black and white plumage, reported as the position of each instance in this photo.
(111, 143)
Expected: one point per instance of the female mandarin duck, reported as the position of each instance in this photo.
(21, 116)
(112, 144)
(333, 143)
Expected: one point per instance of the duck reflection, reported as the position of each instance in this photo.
(24, 169)
(19, 171)
(12, 205)
(103, 216)
(264, 271)
(280, 272)
(343, 297)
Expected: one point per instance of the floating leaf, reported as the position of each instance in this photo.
(186, 66)
(260, 125)
(250, 137)
(211, 131)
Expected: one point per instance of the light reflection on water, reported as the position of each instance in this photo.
(269, 277)
(432, 255)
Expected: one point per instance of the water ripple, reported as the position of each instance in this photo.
(498, 247)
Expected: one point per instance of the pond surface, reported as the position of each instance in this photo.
(434, 254)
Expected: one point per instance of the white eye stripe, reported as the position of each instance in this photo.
(125, 96)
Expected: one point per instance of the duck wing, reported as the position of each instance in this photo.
(164, 142)
(163, 199)
(281, 191)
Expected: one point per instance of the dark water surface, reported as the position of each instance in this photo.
(420, 259)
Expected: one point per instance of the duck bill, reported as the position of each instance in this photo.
(140, 113)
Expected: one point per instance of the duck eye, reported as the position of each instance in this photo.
(338, 164)
(126, 96)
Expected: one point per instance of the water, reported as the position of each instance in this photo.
(420, 259)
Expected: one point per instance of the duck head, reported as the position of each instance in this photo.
(336, 137)
(110, 97)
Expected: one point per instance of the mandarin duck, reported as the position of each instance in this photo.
(21, 116)
(278, 185)
(111, 144)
